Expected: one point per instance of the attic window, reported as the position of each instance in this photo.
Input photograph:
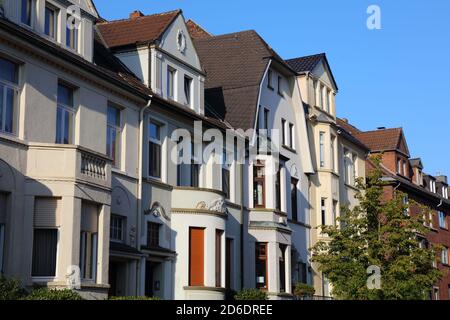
(181, 41)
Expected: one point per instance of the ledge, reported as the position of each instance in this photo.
(199, 288)
(158, 183)
(219, 192)
(199, 211)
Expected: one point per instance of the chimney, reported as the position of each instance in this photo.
(345, 120)
(136, 14)
(381, 128)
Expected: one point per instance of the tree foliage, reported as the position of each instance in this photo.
(377, 233)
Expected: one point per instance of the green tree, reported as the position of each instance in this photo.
(382, 234)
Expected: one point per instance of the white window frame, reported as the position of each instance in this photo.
(76, 34)
(16, 89)
(191, 86)
(322, 149)
(291, 136)
(69, 109)
(444, 256)
(118, 130)
(442, 220)
(94, 252)
(171, 85)
(56, 12)
(162, 142)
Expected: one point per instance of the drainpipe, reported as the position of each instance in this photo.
(139, 190)
(440, 203)
(242, 224)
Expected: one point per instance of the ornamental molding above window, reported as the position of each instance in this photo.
(157, 211)
(217, 205)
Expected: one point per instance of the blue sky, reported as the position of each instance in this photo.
(396, 76)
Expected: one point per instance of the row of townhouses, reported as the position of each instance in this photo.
(95, 118)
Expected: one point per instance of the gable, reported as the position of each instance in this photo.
(322, 71)
(169, 43)
(402, 146)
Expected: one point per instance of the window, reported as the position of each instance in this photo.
(154, 148)
(229, 263)
(333, 153)
(89, 241)
(2, 228)
(26, 12)
(113, 134)
(280, 83)
(196, 256)
(319, 93)
(71, 34)
(324, 93)
(64, 115)
(225, 176)
(349, 167)
(266, 119)
(445, 192)
(171, 78)
(270, 79)
(442, 220)
(47, 212)
(219, 235)
(261, 265)
(259, 184)
(294, 199)
(399, 166)
(283, 132)
(117, 227)
(405, 172)
(329, 101)
(278, 190)
(335, 211)
(51, 21)
(322, 148)
(406, 205)
(444, 256)
(188, 89)
(9, 92)
(153, 234)
(323, 211)
(282, 267)
(291, 136)
(433, 186)
(302, 276)
(195, 169)
(436, 295)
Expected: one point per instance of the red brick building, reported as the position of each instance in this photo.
(406, 175)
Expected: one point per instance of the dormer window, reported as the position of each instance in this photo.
(445, 192)
(26, 12)
(433, 186)
(50, 27)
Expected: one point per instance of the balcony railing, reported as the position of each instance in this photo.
(93, 166)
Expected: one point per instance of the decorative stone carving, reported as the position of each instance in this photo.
(217, 205)
(157, 211)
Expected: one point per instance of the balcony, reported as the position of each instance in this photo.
(68, 162)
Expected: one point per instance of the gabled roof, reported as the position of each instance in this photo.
(416, 163)
(384, 140)
(348, 132)
(235, 65)
(196, 31)
(308, 63)
(137, 30)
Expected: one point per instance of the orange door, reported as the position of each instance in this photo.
(196, 256)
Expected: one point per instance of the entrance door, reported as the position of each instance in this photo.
(149, 267)
(112, 279)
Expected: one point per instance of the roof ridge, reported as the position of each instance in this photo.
(198, 25)
(381, 130)
(146, 16)
(308, 56)
(220, 36)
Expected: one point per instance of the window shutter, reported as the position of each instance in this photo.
(2, 208)
(89, 217)
(47, 212)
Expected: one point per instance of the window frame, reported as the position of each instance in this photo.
(117, 129)
(57, 234)
(226, 172)
(171, 82)
(444, 256)
(270, 80)
(259, 164)
(323, 211)
(279, 89)
(443, 220)
(263, 259)
(156, 141)
(65, 109)
(322, 149)
(153, 229)
(188, 93)
(56, 12)
(74, 46)
(15, 88)
(294, 194)
(31, 5)
(118, 228)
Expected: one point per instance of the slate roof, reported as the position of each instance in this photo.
(308, 63)
(135, 31)
(235, 64)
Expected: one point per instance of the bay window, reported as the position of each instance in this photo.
(154, 146)
(89, 241)
(64, 115)
(113, 133)
(9, 92)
